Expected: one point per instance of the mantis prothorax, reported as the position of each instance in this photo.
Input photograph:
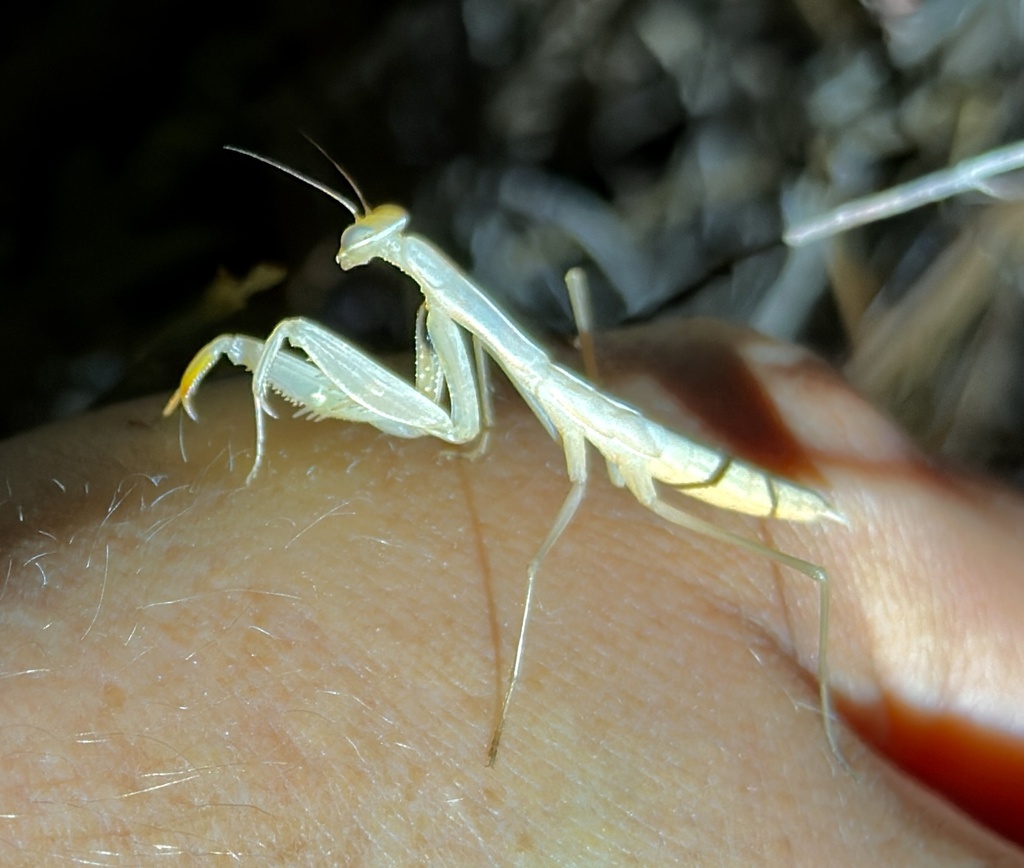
(337, 380)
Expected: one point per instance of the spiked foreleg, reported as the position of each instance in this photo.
(363, 390)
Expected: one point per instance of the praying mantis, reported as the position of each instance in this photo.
(458, 328)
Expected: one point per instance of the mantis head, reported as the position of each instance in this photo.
(370, 235)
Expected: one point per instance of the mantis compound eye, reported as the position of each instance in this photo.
(357, 235)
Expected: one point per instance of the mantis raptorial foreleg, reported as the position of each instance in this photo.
(339, 381)
(292, 377)
(348, 384)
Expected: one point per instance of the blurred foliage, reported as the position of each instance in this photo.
(653, 141)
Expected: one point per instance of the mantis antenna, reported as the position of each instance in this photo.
(323, 188)
(341, 171)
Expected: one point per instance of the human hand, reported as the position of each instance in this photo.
(308, 667)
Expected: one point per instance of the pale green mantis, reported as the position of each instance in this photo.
(336, 380)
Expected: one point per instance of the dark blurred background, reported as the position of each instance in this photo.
(660, 144)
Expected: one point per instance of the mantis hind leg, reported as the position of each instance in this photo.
(644, 490)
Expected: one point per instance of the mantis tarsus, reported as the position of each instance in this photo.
(336, 380)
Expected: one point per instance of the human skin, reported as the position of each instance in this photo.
(306, 669)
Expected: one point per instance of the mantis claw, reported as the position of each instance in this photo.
(172, 404)
(183, 396)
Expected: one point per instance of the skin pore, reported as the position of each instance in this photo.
(307, 668)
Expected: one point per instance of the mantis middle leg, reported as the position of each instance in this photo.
(575, 447)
